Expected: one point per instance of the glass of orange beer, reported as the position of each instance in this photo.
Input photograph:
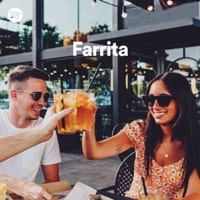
(2, 191)
(82, 102)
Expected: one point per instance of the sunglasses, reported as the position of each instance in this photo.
(37, 95)
(162, 100)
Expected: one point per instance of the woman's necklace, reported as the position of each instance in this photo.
(166, 155)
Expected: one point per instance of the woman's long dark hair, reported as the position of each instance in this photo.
(185, 127)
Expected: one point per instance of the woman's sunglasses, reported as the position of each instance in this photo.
(162, 100)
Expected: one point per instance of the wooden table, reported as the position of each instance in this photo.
(61, 195)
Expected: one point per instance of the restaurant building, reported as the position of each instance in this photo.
(158, 41)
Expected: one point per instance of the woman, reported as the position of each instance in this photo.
(167, 144)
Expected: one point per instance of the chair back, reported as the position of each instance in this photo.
(117, 128)
(124, 175)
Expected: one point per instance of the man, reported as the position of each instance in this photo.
(16, 143)
(28, 95)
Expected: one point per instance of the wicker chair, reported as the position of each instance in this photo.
(123, 179)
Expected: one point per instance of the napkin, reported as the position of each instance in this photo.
(82, 191)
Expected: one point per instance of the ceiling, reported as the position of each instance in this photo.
(174, 34)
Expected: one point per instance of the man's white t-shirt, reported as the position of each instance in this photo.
(25, 165)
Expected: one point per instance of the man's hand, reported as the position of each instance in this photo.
(32, 191)
(50, 121)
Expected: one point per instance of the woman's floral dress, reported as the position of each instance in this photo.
(163, 180)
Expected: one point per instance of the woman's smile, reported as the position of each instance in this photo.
(162, 115)
(159, 114)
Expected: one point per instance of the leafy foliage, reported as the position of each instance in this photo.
(98, 28)
(51, 38)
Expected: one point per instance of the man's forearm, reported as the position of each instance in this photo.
(14, 144)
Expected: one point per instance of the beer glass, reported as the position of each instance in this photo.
(82, 102)
(2, 191)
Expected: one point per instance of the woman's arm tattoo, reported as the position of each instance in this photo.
(119, 148)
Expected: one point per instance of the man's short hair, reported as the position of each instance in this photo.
(24, 72)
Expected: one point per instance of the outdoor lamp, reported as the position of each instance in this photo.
(145, 4)
(124, 13)
(172, 3)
